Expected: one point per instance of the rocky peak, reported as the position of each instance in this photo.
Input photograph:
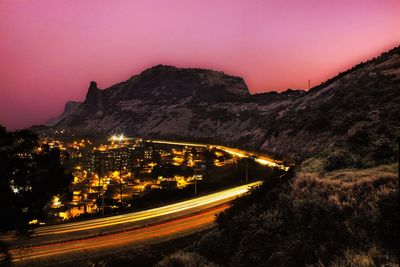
(169, 83)
(93, 95)
(93, 90)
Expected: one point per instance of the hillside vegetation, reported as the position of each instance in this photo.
(340, 218)
(354, 113)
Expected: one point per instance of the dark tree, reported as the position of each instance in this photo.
(28, 179)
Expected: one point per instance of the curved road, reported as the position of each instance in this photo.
(58, 243)
(76, 250)
(259, 158)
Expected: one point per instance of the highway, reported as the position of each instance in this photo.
(58, 242)
(258, 157)
(99, 246)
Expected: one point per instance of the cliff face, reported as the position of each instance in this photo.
(168, 102)
(205, 105)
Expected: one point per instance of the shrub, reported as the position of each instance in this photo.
(185, 259)
(374, 256)
(313, 165)
(339, 158)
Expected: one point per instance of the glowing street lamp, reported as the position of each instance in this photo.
(118, 138)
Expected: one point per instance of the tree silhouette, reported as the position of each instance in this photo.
(28, 179)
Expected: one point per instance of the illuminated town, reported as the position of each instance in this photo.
(113, 174)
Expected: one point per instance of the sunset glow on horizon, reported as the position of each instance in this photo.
(51, 50)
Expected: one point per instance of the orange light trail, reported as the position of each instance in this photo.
(112, 243)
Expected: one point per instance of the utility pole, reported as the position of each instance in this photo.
(247, 171)
(102, 201)
(195, 182)
(102, 187)
(99, 169)
(398, 161)
(120, 180)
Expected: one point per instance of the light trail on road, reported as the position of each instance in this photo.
(76, 250)
(215, 198)
(108, 225)
(166, 142)
(261, 159)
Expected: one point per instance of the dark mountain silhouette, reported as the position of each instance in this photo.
(206, 105)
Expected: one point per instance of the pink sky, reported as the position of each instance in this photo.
(51, 50)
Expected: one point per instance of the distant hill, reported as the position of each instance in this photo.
(69, 108)
(359, 107)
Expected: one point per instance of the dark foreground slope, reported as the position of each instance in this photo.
(341, 218)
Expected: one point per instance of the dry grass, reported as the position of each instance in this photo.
(348, 175)
(185, 259)
(375, 256)
(360, 188)
(357, 203)
(340, 218)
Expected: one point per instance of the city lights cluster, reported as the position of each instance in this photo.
(117, 138)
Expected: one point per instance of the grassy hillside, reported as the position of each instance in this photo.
(356, 111)
(340, 218)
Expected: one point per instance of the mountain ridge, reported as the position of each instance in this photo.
(206, 105)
